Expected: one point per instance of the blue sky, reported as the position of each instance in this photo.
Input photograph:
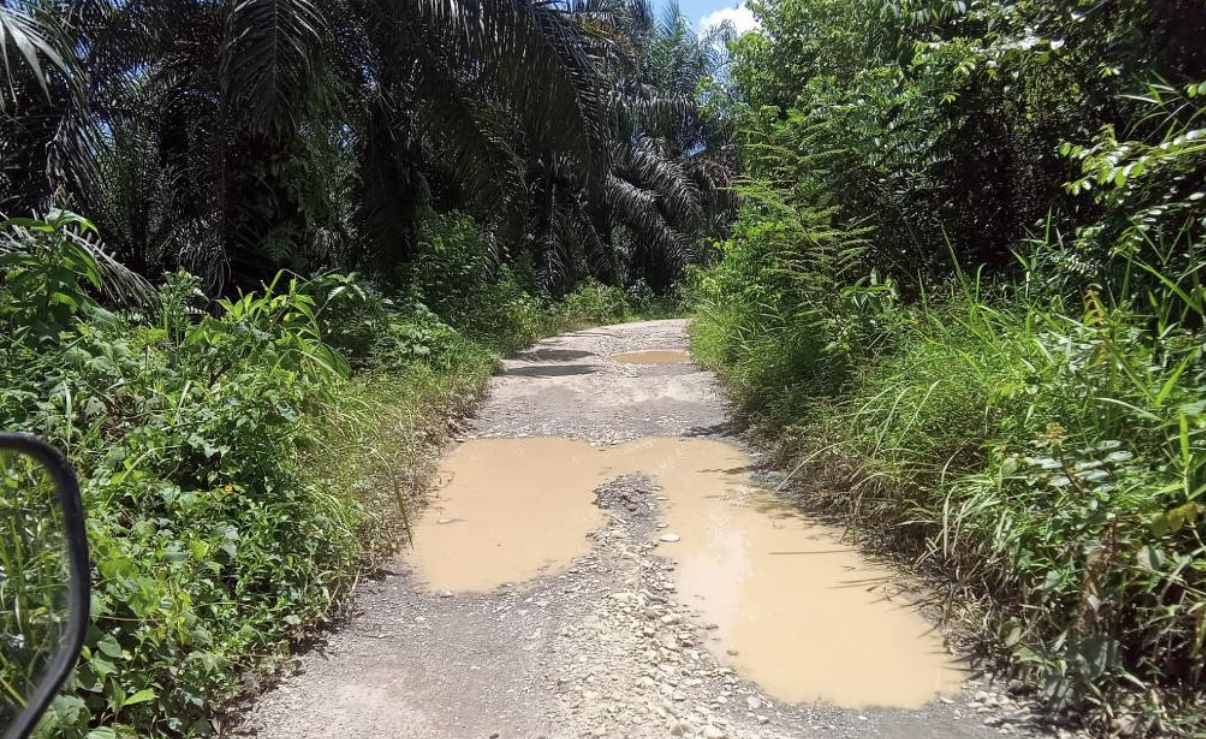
(706, 12)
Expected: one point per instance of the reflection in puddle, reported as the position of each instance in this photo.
(796, 610)
(654, 356)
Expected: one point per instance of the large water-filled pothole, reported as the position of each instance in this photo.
(796, 609)
(507, 510)
(654, 356)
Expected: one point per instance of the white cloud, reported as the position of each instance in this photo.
(740, 16)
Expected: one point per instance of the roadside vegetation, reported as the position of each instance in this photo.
(964, 288)
(242, 461)
(260, 255)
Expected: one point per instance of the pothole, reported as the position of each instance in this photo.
(797, 611)
(508, 510)
(794, 608)
(654, 356)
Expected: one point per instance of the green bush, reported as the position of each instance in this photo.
(508, 318)
(415, 335)
(1033, 433)
(641, 298)
(235, 473)
(594, 302)
(770, 311)
(352, 315)
(1038, 434)
(215, 538)
(209, 544)
(452, 274)
(450, 269)
(646, 304)
(46, 272)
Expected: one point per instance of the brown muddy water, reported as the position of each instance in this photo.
(796, 610)
(654, 356)
(507, 510)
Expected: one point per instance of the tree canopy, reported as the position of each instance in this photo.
(236, 138)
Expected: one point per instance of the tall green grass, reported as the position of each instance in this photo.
(34, 579)
(1042, 457)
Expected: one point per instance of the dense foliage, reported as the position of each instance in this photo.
(966, 277)
(234, 139)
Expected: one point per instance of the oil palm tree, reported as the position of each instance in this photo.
(240, 136)
(31, 63)
(216, 101)
(670, 162)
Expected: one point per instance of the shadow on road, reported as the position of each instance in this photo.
(552, 355)
(550, 370)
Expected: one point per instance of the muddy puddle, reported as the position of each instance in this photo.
(507, 510)
(796, 610)
(654, 356)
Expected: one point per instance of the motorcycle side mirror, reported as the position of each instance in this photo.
(44, 593)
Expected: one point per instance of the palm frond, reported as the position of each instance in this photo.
(638, 209)
(533, 55)
(470, 134)
(267, 57)
(26, 35)
(390, 192)
(647, 162)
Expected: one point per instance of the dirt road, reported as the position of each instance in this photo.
(603, 647)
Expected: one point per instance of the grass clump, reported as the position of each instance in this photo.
(1053, 462)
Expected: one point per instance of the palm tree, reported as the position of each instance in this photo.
(30, 93)
(218, 100)
(670, 161)
(244, 135)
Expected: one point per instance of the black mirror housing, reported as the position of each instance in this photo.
(60, 664)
